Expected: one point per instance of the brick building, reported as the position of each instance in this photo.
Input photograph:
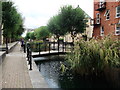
(106, 18)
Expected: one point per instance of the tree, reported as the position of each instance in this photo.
(32, 35)
(55, 26)
(73, 19)
(0, 12)
(0, 22)
(27, 36)
(42, 33)
(12, 21)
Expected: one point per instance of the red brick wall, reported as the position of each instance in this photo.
(109, 25)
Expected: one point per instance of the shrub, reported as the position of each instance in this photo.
(35, 46)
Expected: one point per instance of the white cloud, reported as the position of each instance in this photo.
(38, 12)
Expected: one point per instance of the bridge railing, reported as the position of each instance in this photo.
(51, 46)
(48, 46)
(29, 54)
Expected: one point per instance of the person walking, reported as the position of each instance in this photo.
(22, 44)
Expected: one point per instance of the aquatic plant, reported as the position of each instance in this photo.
(92, 57)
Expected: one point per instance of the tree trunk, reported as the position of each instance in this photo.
(6, 45)
(0, 34)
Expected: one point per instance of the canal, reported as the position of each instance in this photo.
(50, 68)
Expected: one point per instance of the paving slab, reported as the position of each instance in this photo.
(14, 70)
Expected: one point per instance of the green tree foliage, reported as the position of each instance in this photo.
(12, 20)
(27, 36)
(73, 19)
(32, 36)
(69, 19)
(42, 33)
(55, 26)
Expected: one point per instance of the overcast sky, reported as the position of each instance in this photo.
(38, 12)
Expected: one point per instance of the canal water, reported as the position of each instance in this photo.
(50, 68)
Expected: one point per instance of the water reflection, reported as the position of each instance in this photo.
(50, 69)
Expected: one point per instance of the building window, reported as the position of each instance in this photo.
(101, 31)
(102, 3)
(117, 31)
(98, 18)
(107, 14)
(118, 12)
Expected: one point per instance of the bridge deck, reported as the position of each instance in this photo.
(46, 53)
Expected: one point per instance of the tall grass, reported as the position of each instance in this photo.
(92, 57)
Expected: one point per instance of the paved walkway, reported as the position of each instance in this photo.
(14, 70)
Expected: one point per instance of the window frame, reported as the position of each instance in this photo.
(102, 31)
(117, 12)
(106, 14)
(116, 29)
(97, 18)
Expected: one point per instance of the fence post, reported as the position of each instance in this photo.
(45, 46)
(63, 46)
(24, 47)
(30, 61)
(58, 45)
(49, 47)
(54, 45)
(28, 51)
(39, 48)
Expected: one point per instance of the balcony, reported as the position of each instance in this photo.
(96, 21)
(101, 6)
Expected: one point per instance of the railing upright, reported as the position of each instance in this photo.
(30, 61)
(24, 46)
(49, 47)
(28, 51)
(29, 55)
(63, 46)
(54, 45)
(39, 48)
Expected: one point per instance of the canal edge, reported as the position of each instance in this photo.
(37, 79)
